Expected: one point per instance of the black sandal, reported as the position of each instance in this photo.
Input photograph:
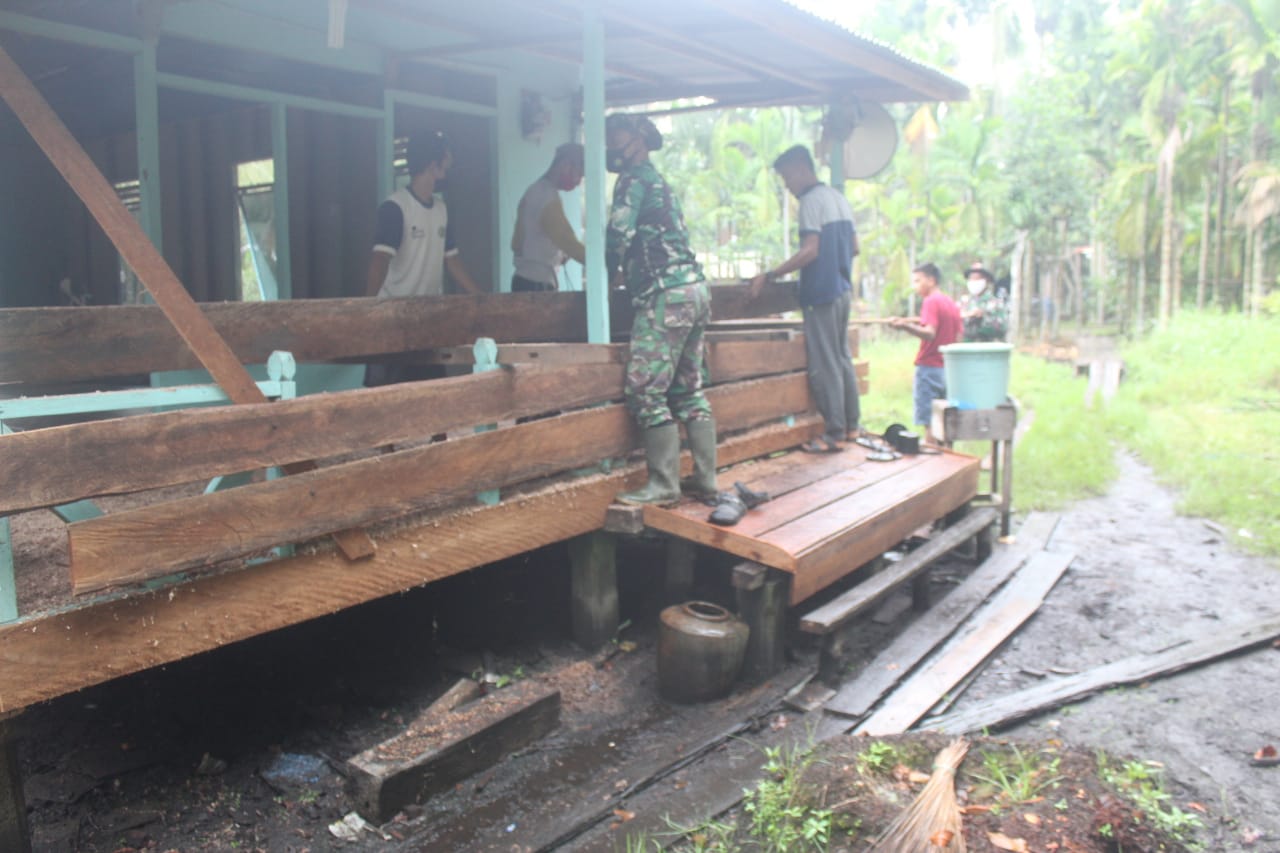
(821, 444)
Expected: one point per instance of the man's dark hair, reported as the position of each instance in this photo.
(796, 155)
(640, 125)
(425, 149)
(930, 270)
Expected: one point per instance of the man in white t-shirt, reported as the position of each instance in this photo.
(543, 238)
(412, 245)
(413, 242)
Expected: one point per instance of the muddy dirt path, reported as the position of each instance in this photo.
(1144, 579)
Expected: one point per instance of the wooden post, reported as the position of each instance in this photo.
(593, 589)
(13, 805)
(762, 595)
(682, 555)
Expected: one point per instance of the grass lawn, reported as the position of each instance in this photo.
(1200, 403)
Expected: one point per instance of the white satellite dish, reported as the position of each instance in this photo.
(870, 146)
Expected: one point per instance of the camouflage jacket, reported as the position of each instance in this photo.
(646, 238)
(993, 325)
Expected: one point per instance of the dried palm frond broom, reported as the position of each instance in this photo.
(931, 824)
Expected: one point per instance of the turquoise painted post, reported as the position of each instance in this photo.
(596, 281)
(280, 198)
(8, 583)
(146, 100)
(486, 357)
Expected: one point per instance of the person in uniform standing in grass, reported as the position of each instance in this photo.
(543, 237)
(828, 245)
(984, 311)
(413, 244)
(647, 251)
(939, 324)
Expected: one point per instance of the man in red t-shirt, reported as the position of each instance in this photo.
(939, 324)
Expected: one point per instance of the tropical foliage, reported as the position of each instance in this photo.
(1116, 161)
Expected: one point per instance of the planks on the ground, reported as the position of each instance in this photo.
(842, 608)
(991, 626)
(156, 540)
(70, 344)
(1225, 640)
(150, 451)
(45, 656)
(432, 757)
(857, 697)
(124, 232)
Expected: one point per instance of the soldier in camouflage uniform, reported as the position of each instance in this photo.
(647, 247)
(985, 312)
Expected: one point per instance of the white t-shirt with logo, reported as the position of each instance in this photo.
(418, 238)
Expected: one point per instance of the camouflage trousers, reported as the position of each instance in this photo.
(664, 370)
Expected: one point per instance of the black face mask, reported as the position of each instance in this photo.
(615, 159)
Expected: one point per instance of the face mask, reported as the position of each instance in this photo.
(615, 159)
(442, 184)
(976, 287)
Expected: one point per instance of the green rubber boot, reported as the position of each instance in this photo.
(662, 455)
(702, 445)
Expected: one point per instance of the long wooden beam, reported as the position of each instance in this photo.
(42, 658)
(69, 344)
(66, 155)
(163, 538)
(58, 465)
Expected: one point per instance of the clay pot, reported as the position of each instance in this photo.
(700, 651)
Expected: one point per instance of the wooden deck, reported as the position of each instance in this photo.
(829, 513)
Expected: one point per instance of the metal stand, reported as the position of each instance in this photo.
(996, 425)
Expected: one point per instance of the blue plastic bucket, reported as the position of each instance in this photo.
(977, 374)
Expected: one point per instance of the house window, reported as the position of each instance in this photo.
(255, 212)
(131, 290)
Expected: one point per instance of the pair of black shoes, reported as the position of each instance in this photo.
(730, 507)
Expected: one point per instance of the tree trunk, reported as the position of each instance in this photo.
(1220, 226)
(1166, 253)
(1202, 272)
(1016, 278)
(1140, 315)
(1259, 262)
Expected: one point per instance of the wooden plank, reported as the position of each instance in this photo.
(992, 625)
(430, 759)
(895, 662)
(68, 344)
(156, 540)
(125, 233)
(47, 655)
(1225, 640)
(150, 451)
(841, 609)
(908, 476)
(889, 525)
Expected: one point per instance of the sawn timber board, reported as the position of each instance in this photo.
(831, 513)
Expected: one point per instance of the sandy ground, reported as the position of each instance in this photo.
(1144, 579)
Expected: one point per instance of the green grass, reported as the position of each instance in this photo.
(1201, 404)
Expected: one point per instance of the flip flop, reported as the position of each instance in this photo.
(883, 456)
(821, 444)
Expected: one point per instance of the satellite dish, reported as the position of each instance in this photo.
(870, 146)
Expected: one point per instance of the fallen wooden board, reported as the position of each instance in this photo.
(992, 625)
(841, 609)
(46, 655)
(1226, 640)
(156, 540)
(856, 698)
(433, 757)
(70, 344)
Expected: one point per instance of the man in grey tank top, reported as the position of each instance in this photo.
(543, 238)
